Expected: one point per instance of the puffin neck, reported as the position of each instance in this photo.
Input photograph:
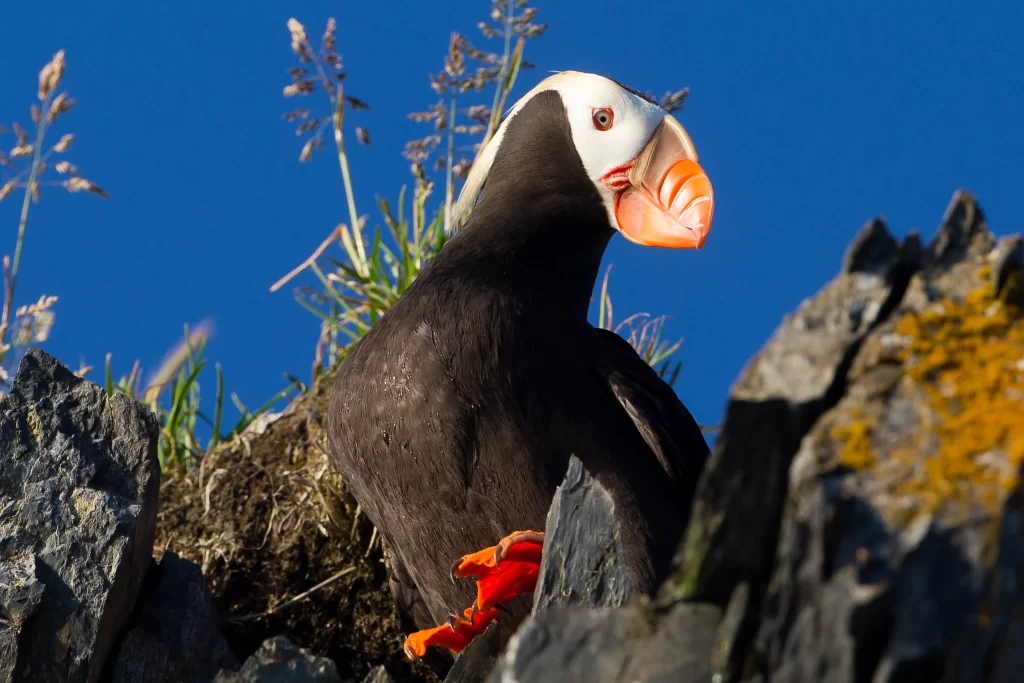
(540, 226)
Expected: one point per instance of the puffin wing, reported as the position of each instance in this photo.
(412, 609)
(661, 418)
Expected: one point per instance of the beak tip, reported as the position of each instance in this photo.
(670, 201)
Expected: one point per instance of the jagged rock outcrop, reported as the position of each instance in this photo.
(175, 633)
(884, 426)
(582, 628)
(583, 565)
(78, 497)
(904, 507)
(583, 561)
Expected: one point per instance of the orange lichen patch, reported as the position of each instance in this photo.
(855, 435)
(950, 436)
(967, 360)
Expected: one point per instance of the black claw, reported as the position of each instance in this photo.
(502, 608)
(455, 566)
(451, 622)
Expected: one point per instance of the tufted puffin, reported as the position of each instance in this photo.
(452, 421)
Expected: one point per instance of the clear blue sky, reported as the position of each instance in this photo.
(811, 118)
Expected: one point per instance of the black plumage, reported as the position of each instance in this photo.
(452, 421)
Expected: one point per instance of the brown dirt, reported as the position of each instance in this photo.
(267, 519)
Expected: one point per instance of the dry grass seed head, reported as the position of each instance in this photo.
(304, 83)
(78, 183)
(51, 75)
(63, 144)
(50, 78)
(61, 105)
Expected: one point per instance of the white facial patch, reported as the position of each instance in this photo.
(634, 121)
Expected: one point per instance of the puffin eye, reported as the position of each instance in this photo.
(603, 118)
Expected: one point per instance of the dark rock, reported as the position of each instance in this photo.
(278, 660)
(799, 374)
(637, 643)
(898, 526)
(963, 235)
(582, 565)
(174, 635)
(79, 480)
(583, 561)
(579, 629)
(869, 582)
(476, 661)
(378, 674)
(792, 380)
(991, 648)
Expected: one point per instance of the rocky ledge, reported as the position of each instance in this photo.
(860, 519)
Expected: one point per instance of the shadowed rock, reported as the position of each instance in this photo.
(637, 642)
(477, 659)
(904, 509)
(78, 496)
(991, 648)
(280, 661)
(174, 634)
(798, 375)
(583, 562)
(792, 380)
(378, 675)
(579, 629)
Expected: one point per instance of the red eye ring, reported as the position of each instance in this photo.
(603, 118)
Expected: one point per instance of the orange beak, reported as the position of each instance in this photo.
(668, 201)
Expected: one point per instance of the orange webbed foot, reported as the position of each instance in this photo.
(455, 635)
(503, 571)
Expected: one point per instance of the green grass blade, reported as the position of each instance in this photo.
(218, 409)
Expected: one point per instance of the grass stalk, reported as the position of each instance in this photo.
(12, 279)
(346, 179)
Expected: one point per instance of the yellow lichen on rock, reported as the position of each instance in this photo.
(966, 360)
(855, 435)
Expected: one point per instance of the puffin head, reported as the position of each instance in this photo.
(640, 158)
